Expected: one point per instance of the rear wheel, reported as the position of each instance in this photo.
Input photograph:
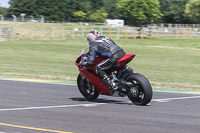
(141, 93)
(87, 89)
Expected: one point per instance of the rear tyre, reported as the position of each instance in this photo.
(141, 93)
(87, 89)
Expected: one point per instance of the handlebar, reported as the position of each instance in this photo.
(81, 59)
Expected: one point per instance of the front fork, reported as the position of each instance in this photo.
(82, 78)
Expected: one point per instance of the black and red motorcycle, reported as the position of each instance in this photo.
(124, 80)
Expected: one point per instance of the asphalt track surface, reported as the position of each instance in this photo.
(27, 107)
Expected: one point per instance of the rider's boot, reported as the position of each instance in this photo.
(108, 82)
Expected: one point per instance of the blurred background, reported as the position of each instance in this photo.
(134, 12)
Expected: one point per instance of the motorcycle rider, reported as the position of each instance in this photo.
(105, 48)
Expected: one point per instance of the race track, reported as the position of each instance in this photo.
(27, 107)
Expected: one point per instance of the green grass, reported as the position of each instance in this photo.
(166, 63)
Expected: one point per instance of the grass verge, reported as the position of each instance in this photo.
(166, 63)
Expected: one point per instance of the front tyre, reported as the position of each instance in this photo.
(87, 89)
(141, 93)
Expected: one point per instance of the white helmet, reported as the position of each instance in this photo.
(93, 35)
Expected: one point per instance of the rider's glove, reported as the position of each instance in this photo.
(82, 64)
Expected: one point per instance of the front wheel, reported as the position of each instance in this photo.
(141, 93)
(87, 89)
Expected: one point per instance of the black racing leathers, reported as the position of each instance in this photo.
(106, 48)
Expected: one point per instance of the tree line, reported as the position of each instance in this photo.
(134, 12)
